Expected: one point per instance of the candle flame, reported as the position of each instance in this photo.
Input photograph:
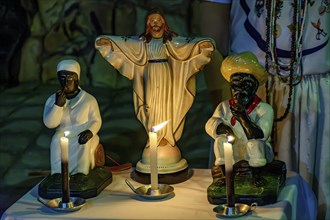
(66, 133)
(230, 139)
(159, 126)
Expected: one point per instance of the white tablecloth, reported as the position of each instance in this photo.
(117, 201)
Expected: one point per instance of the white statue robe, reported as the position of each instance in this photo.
(256, 151)
(77, 115)
(163, 78)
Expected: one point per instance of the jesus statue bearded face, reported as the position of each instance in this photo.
(156, 25)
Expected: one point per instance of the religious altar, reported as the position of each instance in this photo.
(189, 201)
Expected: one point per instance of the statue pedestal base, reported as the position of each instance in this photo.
(169, 178)
(80, 185)
(245, 191)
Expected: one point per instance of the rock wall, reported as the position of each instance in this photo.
(68, 28)
(13, 32)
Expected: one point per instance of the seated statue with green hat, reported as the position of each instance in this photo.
(245, 118)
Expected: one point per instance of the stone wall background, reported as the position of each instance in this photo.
(68, 28)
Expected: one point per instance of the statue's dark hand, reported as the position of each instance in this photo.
(85, 136)
(238, 108)
(224, 129)
(238, 105)
(60, 98)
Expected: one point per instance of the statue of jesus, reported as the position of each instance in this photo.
(162, 66)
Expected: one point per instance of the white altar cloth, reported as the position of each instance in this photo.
(189, 201)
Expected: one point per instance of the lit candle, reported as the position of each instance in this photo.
(64, 149)
(153, 155)
(153, 160)
(228, 150)
(65, 170)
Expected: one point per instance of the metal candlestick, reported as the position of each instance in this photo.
(232, 209)
(238, 210)
(147, 192)
(65, 203)
(75, 204)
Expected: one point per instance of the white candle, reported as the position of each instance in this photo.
(153, 160)
(153, 154)
(228, 151)
(64, 149)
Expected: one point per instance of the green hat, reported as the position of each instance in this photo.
(245, 62)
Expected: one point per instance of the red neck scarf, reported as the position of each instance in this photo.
(251, 107)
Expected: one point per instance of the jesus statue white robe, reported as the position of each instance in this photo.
(163, 77)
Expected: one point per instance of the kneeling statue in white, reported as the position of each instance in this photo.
(73, 110)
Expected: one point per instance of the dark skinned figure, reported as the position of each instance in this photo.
(244, 117)
(73, 110)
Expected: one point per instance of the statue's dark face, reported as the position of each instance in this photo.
(68, 81)
(244, 86)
